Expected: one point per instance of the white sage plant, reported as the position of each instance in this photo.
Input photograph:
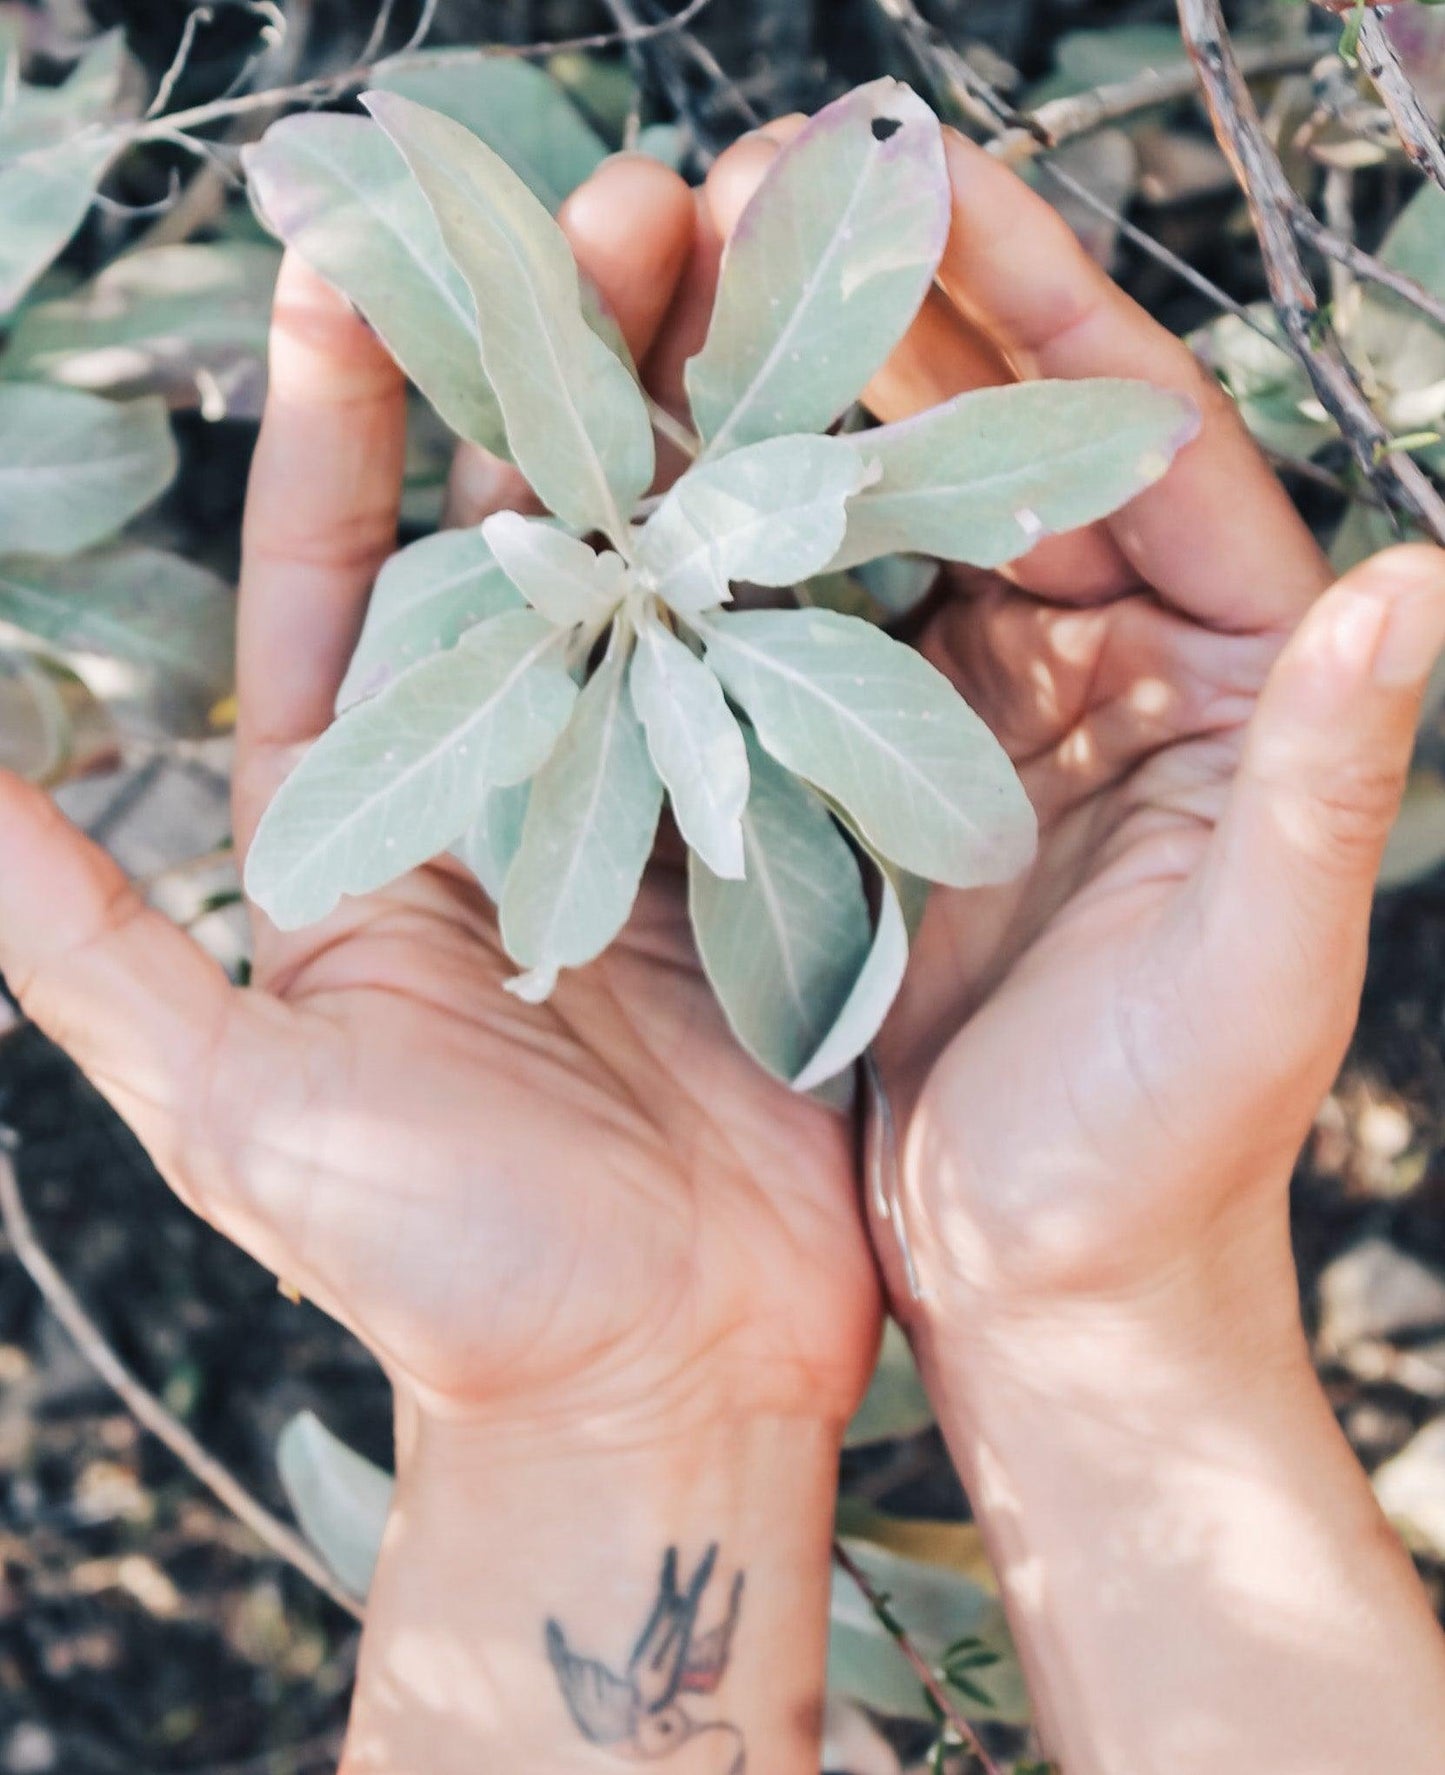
(528, 693)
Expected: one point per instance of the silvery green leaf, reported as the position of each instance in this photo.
(825, 270)
(337, 191)
(341, 1499)
(425, 599)
(899, 583)
(783, 946)
(398, 778)
(37, 116)
(1266, 381)
(771, 513)
(186, 320)
(44, 196)
(490, 843)
(563, 578)
(871, 997)
(984, 476)
(895, 1404)
(872, 724)
(696, 745)
(74, 468)
(516, 108)
(665, 142)
(1415, 243)
(151, 633)
(576, 421)
(587, 835)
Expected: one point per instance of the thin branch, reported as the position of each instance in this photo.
(1276, 213)
(376, 37)
(1331, 245)
(66, 1306)
(1155, 249)
(1079, 114)
(917, 1663)
(1419, 132)
(323, 87)
(198, 16)
(424, 23)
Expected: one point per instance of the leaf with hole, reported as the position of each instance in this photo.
(74, 467)
(986, 475)
(696, 745)
(562, 578)
(783, 946)
(586, 838)
(425, 599)
(397, 779)
(338, 192)
(872, 724)
(771, 513)
(825, 269)
(576, 421)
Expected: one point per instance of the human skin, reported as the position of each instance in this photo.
(1106, 1070)
(618, 1278)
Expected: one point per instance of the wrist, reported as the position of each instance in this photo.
(495, 1535)
(1086, 1289)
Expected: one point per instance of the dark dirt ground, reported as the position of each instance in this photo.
(143, 1631)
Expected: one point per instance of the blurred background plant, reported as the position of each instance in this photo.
(143, 1626)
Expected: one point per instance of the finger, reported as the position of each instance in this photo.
(321, 513)
(630, 226)
(141, 1008)
(1218, 537)
(1288, 881)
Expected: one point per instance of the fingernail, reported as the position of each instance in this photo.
(1413, 637)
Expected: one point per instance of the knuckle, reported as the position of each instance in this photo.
(1357, 804)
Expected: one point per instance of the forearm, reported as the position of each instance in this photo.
(1195, 1568)
(494, 1536)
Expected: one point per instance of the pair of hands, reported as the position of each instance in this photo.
(601, 1206)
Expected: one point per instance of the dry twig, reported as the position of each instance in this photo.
(1419, 132)
(322, 88)
(1279, 219)
(88, 1338)
(917, 1663)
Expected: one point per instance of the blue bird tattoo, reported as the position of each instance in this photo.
(639, 1714)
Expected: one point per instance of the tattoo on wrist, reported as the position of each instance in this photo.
(643, 1712)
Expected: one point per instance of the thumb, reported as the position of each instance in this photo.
(141, 1008)
(1291, 871)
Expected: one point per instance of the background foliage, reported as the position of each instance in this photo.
(141, 1628)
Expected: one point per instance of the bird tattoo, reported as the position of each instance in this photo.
(640, 1715)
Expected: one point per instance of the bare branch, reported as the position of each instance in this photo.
(198, 16)
(1079, 114)
(1276, 213)
(322, 88)
(916, 1661)
(1419, 132)
(88, 1338)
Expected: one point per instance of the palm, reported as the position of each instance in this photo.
(604, 1184)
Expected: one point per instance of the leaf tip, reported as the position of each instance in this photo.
(534, 987)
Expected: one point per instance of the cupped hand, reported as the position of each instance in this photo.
(1106, 1069)
(597, 1213)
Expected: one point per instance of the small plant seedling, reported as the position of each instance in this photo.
(526, 694)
